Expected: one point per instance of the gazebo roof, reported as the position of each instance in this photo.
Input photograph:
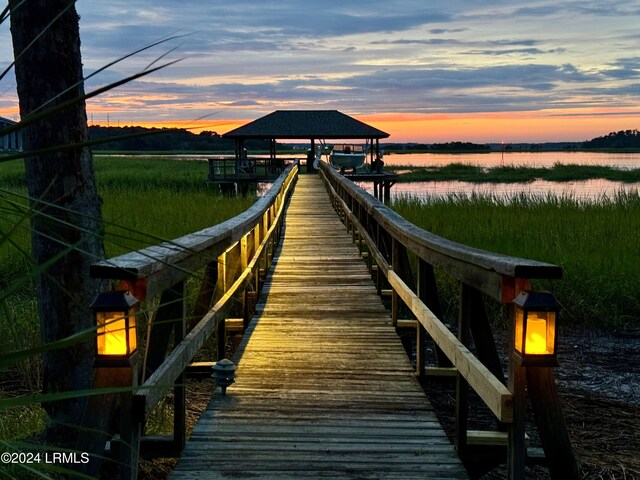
(306, 124)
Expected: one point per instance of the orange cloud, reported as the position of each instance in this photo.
(497, 127)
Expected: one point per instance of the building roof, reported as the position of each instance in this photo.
(306, 124)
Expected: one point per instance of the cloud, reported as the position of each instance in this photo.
(499, 88)
(624, 69)
(512, 51)
(248, 57)
(539, 11)
(430, 41)
(441, 31)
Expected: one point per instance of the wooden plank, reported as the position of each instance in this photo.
(495, 395)
(324, 388)
(490, 438)
(150, 393)
(440, 372)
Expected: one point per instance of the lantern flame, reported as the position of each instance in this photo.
(112, 334)
(536, 342)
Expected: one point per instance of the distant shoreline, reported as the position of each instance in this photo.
(386, 151)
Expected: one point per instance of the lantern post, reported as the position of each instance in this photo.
(116, 366)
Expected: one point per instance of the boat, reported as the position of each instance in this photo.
(347, 156)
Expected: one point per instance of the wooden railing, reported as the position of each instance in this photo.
(222, 169)
(389, 243)
(235, 256)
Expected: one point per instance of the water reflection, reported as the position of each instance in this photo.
(529, 159)
(587, 189)
(584, 190)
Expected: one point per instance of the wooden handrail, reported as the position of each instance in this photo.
(235, 253)
(491, 273)
(389, 239)
(161, 266)
(156, 386)
(494, 394)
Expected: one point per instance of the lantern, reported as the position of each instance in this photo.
(536, 315)
(115, 313)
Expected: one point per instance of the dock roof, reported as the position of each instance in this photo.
(306, 124)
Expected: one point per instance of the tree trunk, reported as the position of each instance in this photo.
(65, 180)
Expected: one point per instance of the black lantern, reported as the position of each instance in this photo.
(536, 315)
(116, 339)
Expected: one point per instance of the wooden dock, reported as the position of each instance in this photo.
(324, 388)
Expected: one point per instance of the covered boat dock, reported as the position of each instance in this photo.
(311, 125)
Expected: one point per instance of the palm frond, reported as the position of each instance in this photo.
(32, 118)
(115, 62)
(36, 38)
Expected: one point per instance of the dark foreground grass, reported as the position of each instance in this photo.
(513, 174)
(596, 243)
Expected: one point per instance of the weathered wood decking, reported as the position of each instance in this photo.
(324, 388)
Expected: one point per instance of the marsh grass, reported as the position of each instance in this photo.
(513, 174)
(595, 242)
(144, 202)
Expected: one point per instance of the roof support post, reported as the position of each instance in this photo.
(311, 157)
(239, 148)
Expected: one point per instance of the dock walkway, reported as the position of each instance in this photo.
(324, 388)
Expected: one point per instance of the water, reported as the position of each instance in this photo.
(529, 159)
(588, 189)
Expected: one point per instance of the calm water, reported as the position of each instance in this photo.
(589, 189)
(493, 159)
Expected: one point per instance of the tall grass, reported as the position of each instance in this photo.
(596, 243)
(144, 202)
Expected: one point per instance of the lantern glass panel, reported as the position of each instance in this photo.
(112, 333)
(535, 332)
(537, 335)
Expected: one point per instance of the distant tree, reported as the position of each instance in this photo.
(459, 147)
(166, 139)
(65, 203)
(621, 139)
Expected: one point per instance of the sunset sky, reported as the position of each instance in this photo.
(433, 71)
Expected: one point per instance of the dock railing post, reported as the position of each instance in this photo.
(516, 446)
(422, 290)
(395, 299)
(179, 389)
(516, 433)
(550, 421)
(532, 367)
(462, 387)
